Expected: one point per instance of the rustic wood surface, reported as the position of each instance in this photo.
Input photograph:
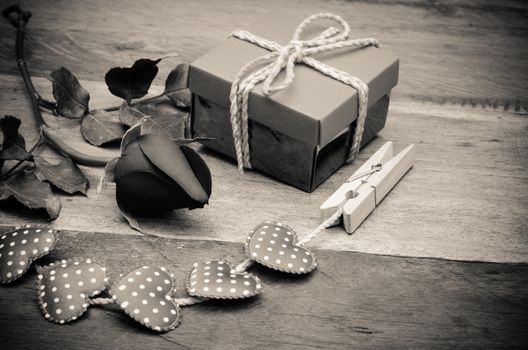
(464, 198)
(462, 99)
(352, 300)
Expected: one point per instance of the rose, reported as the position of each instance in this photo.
(154, 174)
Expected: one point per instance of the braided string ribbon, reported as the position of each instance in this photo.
(284, 58)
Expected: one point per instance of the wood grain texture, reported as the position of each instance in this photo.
(462, 99)
(350, 301)
(465, 198)
(462, 52)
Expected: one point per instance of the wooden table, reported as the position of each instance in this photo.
(440, 263)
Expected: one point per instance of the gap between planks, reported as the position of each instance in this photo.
(7, 228)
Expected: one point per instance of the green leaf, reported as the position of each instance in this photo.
(65, 175)
(26, 188)
(98, 128)
(13, 144)
(72, 99)
(132, 82)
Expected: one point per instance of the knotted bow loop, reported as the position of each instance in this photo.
(284, 57)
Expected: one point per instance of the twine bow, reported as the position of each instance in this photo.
(284, 58)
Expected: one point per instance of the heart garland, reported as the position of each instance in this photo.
(20, 247)
(64, 288)
(68, 287)
(145, 294)
(274, 245)
(218, 280)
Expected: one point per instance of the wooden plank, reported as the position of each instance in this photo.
(463, 199)
(462, 52)
(351, 300)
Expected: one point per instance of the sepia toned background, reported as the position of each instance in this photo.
(441, 262)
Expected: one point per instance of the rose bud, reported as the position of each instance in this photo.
(155, 174)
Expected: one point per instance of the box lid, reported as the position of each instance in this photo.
(314, 108)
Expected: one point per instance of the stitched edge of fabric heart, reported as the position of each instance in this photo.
(58, 264)
(170, 327)
(31, 260)
(294, 242)
(231, 270)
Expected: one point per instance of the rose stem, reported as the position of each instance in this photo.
(19, 22)
(76, 156)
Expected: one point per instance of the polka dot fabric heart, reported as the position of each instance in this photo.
(275, 245)
(145, 294)
(20, 247)
(64, 288)
(67, 288)
(218, 280)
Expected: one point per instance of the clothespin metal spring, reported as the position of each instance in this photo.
(375, 168)
(365, 189)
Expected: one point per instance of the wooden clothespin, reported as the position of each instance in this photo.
(368, 186)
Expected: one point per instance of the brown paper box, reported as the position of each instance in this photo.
(299, 134)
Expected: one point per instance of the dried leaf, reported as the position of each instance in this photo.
(129, 115)
(182, 142)
(177, 78)
(26, 188)
(181, 98)
(132, 82)
(176, 86)
(98, 128)
(13, 144)
(131, 134)
(163, 112)
(126, 214)
(65, 175)
(147, 125)
(108, 174)
(72, 99)
(152, 126)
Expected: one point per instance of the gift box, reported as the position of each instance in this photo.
(299, 135)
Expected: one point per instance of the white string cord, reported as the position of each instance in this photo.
(284, 58)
